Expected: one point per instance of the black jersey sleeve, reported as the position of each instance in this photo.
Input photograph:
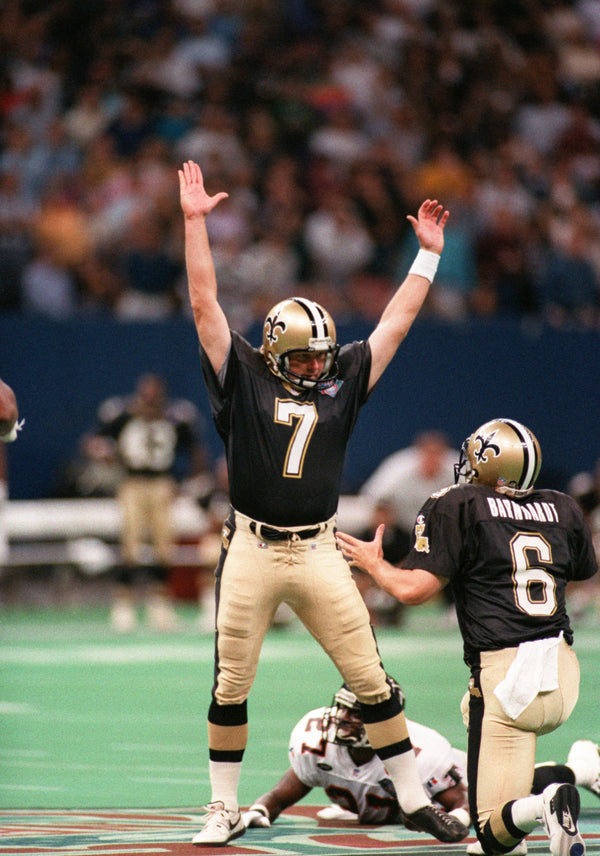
(113, 427)
(219, 386)
(436, 542)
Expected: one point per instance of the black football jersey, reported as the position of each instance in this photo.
(508, 561)
(285, 451)
(149, 447)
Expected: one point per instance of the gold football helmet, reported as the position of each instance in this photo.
(297, 324)
(503, 454)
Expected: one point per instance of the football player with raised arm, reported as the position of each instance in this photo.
(285, 412)
(508, 550)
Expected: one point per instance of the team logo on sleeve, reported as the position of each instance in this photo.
(421, 541)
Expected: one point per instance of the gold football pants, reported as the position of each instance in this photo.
(255, 575)
(501, 756)
(146, 505)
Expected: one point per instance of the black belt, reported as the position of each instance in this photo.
(268, 533)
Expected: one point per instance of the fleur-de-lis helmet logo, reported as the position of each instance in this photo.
(486, 446)
(273, 326)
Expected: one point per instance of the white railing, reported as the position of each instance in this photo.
(85, 532)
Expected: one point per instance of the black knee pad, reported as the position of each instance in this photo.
(387, 709)
(228, 714)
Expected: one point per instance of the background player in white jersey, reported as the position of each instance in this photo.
(508, 550)
(285, 413)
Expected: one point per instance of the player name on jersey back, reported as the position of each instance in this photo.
(542, 512)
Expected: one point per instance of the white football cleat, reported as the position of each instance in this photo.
(584, 760)
(221, 826)
(561, 812)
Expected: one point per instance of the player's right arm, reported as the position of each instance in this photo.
(411, 587)
(210, 320)
(288, 791)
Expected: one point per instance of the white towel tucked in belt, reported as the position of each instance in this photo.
(534, 670)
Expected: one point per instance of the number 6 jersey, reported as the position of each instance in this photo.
(508, 559)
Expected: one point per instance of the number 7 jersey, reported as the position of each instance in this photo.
(285, 447)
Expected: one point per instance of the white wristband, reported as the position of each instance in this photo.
(262, 809)
(425, 264)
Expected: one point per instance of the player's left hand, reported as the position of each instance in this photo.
(429, 225)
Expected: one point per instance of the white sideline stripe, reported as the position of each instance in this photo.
(108, 654)
(8, 787)
(164, 780)
(23, 753)
(173, 652)
(106, 768)
(150, 747)
(117, 654)
(16, 707)
(62, 716)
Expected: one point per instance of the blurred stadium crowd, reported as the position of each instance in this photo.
(326, 122)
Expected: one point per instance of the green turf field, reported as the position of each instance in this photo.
(89, 719)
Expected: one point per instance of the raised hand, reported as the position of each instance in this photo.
(195, 201)
(429, 225)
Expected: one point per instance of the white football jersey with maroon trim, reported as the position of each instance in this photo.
(367, 789)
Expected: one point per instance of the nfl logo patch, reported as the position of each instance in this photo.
(332, 388)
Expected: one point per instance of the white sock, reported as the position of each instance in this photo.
(224, 781)
(528, 812)
(404, 774)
